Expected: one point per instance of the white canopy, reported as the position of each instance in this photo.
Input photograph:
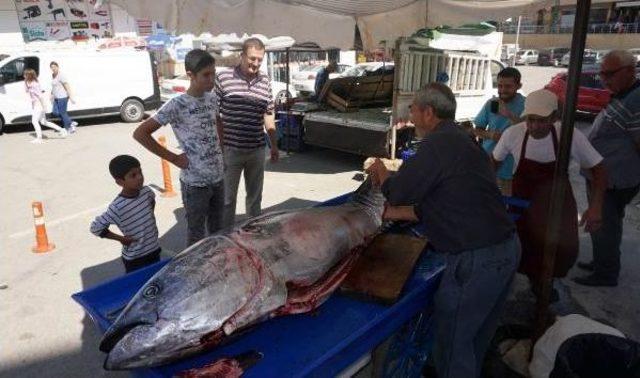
(329, 23)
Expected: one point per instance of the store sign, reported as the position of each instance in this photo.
(63, 19)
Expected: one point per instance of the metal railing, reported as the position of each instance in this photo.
(597, 28)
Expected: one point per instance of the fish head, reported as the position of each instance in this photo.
(178, 310)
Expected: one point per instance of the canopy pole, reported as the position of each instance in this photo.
(287, 105)
(562, 163)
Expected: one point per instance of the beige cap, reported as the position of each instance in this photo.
(541, 103)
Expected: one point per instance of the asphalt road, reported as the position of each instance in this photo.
(46, 334)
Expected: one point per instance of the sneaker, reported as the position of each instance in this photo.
(63, 133)
(74, 124)
(36, 141)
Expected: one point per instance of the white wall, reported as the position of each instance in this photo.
(10, 35)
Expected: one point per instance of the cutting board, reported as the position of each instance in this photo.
(383, 268)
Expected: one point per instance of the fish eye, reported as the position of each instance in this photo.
(151, 290)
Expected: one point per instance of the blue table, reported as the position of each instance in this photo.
(317, 344)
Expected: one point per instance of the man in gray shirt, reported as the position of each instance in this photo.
(616, 136)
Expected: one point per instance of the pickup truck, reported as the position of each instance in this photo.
(359, 112)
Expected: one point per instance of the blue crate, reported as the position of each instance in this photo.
(289, 125)
(291, 143)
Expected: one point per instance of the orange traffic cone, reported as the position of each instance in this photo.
(42, 241)
(166, 172)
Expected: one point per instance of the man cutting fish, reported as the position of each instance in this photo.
(449, 186)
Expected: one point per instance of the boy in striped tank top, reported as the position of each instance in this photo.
(132, 211)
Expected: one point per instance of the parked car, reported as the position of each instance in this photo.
(507, 51)
(597, 57)
(551, 56)
(173, 87)
(527, 57)
(104, 82)
(304, 81)
(589, 57)
(368, 69)
(592, 96)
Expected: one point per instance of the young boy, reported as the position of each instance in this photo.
(192, 117)
(132, 212)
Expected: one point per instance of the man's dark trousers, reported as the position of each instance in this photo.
(606, 241)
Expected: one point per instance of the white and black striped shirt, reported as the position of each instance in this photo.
(242, 104)
(135, 218)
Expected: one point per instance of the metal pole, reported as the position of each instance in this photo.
(517, 43)
(560, 179)
(286, 104)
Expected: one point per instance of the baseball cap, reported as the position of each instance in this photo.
(541, 103)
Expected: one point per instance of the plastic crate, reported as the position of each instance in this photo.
(289, 125)
(291, 143)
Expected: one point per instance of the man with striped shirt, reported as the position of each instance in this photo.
(616, 136)
(132, 211)
(246, 109)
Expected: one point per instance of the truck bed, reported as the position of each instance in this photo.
(365, 132)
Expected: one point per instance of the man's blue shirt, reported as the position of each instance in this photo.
(499, 123)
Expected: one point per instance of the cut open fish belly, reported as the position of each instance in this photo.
(280, 263)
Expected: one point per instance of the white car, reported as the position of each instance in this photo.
(589, 57)
(636, 53)
(170, 88)
(527, 57)
(370, 68)
(304, 81)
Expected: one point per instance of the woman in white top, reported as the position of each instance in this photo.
(61, 95)
(38, 115)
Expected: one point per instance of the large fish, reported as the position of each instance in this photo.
(279, 263)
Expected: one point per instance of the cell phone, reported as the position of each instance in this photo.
(495, 105)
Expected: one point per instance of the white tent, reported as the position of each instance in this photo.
(329, 23)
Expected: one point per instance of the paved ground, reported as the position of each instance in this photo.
(46, 334)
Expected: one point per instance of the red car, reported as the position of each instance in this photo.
(592, 96)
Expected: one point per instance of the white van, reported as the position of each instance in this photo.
(102, 83)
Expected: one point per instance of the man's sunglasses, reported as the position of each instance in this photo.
(612, 72)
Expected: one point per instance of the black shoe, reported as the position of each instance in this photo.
(593, 280)
(586, 265)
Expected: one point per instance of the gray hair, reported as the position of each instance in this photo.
(623, 56)
(439, 97)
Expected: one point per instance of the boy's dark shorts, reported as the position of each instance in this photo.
(141, 262)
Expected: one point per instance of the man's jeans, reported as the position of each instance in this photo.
(203, 206)
(606, 241)
(236, 161)
(468, 304)
(60, 109)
